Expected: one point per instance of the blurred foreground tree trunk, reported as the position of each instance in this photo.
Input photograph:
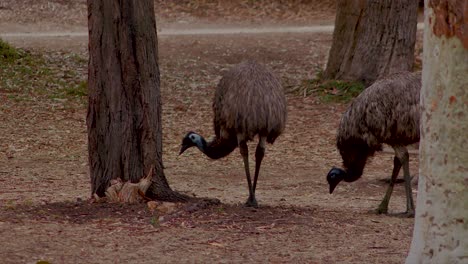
(441, 225)
(372, 38)
(124, 111)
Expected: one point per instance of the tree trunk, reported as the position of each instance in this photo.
(372, 38)
(124, 111)
(441, 225)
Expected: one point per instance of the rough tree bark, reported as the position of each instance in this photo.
(124, 112)
(372, 38)
(441, 225)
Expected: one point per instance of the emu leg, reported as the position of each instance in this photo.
(259, 153)
(244, 150)
(409, 192)
(383, 207)
(403, 155)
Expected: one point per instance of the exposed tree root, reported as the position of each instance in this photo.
(166, 194)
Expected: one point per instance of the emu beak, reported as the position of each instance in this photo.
(332, 187)
(183, 148)
(334, 176)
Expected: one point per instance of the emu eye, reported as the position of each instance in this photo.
(192, 137)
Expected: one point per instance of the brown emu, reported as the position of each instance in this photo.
(248, 101)
(387, 112)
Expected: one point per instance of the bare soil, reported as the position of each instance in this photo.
(45, 211)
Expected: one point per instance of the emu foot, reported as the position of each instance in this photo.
(383, 207)
(387, 180)
(407, 214)
(401, 215)
(397, 181)
(380, 210)
(384, 210)
(251, 202)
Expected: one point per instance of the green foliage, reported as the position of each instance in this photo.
(24, 75)
(221, 209)
(8, 54)
(78, 90)
(154, 221)
(9, 205)
(329, 90)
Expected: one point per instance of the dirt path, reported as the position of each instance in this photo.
(190, 31)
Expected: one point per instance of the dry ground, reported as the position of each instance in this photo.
(44, 190)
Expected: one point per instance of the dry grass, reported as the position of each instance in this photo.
(44, 190)
(28, 75)
(51, 13)
(45, 181)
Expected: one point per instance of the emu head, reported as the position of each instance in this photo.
(190, 140)
(334, 176)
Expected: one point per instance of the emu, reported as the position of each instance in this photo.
(249, 101)
(387, 112)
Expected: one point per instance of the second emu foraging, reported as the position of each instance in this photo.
(387, 112)
(249, 101)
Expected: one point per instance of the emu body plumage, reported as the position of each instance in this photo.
(387, 112)
(249, 101)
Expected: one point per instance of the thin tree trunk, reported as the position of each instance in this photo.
(372, 38)
(441, 225)
(124, 111)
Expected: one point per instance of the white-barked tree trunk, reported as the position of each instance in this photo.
(441, 225)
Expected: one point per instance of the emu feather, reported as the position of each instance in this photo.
(387, 112)
(249, 101)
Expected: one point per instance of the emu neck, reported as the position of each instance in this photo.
(354, 167)
(217, 148)
(354, 161)
(352, 174)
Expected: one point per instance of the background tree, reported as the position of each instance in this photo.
(124, 112)
(372, 38)
(441, 227)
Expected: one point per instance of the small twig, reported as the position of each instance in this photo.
(377, 247)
